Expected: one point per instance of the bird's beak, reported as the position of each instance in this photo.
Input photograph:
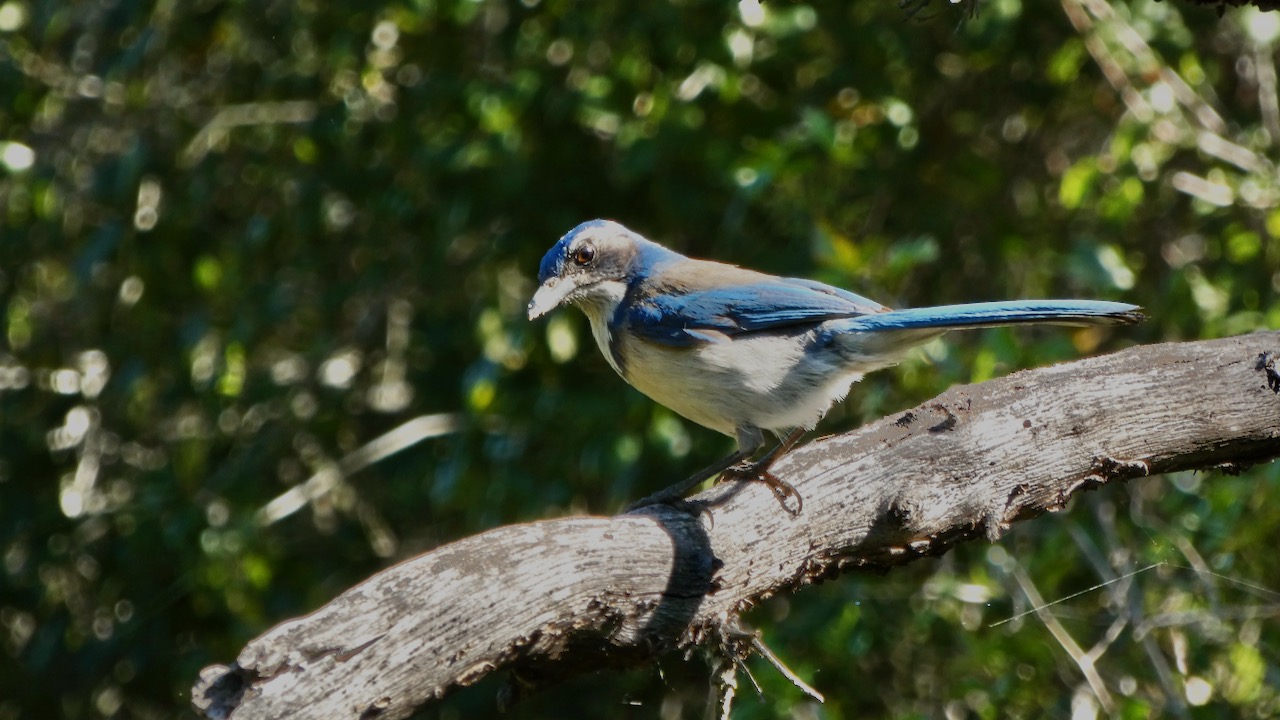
(551, 294)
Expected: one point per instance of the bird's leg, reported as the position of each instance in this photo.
(759, 470)
(737, 466)
(677, 492)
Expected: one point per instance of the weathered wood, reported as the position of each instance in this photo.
(551, 599)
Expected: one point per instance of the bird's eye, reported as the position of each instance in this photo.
(584, 255)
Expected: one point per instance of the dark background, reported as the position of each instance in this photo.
(240, 240)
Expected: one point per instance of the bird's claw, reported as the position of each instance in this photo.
(781, 489)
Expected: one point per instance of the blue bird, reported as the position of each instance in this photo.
(742, 352)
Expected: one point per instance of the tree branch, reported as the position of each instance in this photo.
(556, 598)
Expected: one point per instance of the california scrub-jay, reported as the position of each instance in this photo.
(742, 352)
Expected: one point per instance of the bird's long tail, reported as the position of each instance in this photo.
(995, 314)
(878, 340)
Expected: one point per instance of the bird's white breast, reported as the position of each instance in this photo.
(763, 381)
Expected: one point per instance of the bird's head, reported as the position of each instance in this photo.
(589, 265)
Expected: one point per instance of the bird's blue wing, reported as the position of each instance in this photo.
(695, 317)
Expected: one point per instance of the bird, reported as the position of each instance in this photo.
(743, 352)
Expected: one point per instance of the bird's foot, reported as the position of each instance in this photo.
(758, 471)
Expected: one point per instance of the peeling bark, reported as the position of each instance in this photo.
(552, 599)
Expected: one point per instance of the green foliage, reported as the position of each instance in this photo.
(239, 241)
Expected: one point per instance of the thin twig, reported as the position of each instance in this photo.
(1076, 653)
(767, 654)
(1130, 603)
(1037, 607)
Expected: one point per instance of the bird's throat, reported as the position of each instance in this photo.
(600, 303)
